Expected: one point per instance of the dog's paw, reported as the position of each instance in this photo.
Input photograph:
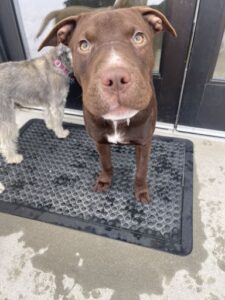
(48, 125)
(102, 184)
(15, 159)
(142, 195)
(62, 134)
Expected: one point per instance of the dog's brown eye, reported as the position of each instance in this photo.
(84, 46)
(138, 38)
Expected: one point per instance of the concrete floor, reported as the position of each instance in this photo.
(41, 261)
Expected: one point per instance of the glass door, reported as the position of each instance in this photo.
(203, 104)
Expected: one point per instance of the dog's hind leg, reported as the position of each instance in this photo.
(55, 119)
(8, 142)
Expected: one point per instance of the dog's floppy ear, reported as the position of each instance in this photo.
(156, 19)
(61, 33)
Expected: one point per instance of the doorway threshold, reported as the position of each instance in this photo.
(79, 119)
(201, 131)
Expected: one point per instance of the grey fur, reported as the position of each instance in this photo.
(36, 82)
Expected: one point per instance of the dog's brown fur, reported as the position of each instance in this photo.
(116, 77)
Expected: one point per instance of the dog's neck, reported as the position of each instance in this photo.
(59, 65)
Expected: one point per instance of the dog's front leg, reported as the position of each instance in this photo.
(104, 179)
(141, 187)
(55, 119)
(8, 143)
(48, 118)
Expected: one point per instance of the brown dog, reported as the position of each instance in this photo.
(113, 60)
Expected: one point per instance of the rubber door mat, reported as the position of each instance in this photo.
(54, 184)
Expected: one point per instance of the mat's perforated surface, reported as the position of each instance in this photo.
(57, 176)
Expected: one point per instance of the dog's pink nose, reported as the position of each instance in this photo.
(116, 79)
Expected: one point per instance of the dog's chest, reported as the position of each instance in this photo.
(118, 135)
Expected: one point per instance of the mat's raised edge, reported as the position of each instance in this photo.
(187, 209)
(52, 218)
(90, 228)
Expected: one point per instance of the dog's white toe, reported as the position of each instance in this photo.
(15, 159)
(62, 134)
(48, 125)
(2, 188)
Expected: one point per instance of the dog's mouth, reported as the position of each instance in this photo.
(120, 113)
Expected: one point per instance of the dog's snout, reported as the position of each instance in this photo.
(117, 79)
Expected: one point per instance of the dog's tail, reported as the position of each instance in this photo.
(52, 15)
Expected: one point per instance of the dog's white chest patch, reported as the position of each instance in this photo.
(116, 137)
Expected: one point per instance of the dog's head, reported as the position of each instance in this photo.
(64, 55)
(112, 57)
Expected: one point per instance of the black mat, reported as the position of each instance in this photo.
(55, 183)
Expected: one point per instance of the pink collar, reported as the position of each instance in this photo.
(61, 66)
